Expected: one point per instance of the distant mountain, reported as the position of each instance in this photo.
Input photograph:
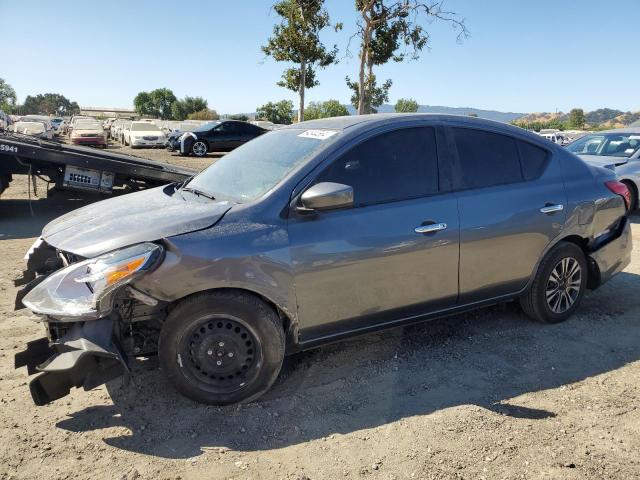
(505, 117)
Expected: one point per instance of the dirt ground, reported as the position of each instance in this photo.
(488, 395)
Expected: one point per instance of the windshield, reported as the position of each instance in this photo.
(257, 166)
(206, 127)
(607, 144)
(144, 127)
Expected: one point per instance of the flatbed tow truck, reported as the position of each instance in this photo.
(81, 168)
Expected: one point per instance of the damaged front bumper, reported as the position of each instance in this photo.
(87, 355)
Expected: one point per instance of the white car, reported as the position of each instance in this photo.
(144, 134)
(33, 128)
(44, 120)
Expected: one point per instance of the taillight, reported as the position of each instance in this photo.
(621, 189)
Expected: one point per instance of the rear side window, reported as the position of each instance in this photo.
(534, 160)
(486, 158)
(392, 166)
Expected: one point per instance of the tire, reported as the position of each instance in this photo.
(534, 302)
(200, 148)
(634, 196)
(222, 348)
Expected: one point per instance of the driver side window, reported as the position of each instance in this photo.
(392, 166)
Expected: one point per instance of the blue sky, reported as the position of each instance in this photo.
(522, 56)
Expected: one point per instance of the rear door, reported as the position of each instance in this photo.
(512, 205)
(369, 265)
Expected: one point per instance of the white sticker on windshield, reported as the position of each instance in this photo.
(629, 150)
(318, 134)
(634, 137)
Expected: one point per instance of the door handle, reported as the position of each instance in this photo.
(552, 208)
(433, 227)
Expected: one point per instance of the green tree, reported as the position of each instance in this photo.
(239, 116)
(374, 95)
(576, 118)
(406, 105)
(330, 108)
(392, 30)
(49, 104)
(204, 114)
(162, 99)
(143, 105)
(8, 97)
(181, 109)
(296, 39)
(158, 103)
(280, 112)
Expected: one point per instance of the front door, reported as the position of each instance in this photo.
(393, 255)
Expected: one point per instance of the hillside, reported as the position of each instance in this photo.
(601, 118)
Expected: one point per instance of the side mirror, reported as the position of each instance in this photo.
(326, 196)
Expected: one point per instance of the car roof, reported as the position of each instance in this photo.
(342, 123)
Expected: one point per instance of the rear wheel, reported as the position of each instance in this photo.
(222, 348)
(559, 285)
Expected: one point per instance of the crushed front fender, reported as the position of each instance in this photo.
(86, 356)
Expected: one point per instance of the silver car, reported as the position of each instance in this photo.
(313, 233)
(618, 150)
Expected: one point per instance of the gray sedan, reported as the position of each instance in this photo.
(618, 150)
(313, 233)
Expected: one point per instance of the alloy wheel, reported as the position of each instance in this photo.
(199, 149)
(563, 285)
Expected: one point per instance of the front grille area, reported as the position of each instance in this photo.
(89, 135)
(149, 138)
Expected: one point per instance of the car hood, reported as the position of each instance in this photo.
(147, 133)
(603, 161)
(137, 217)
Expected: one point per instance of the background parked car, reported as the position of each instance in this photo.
(75, 119)
(57, 123)
(218, 136)
(33, 128)
(618, 150)
(5, 121)
(49, 132)
(145, 134)
(88, 132)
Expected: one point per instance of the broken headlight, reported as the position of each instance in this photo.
(82, 291)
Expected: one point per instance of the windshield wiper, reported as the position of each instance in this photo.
(200, 193)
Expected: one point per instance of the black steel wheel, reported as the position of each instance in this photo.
(222, 348)
(220, 353)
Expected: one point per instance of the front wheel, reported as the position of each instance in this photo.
(199, 148)
(222, 348)
(559, 285)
